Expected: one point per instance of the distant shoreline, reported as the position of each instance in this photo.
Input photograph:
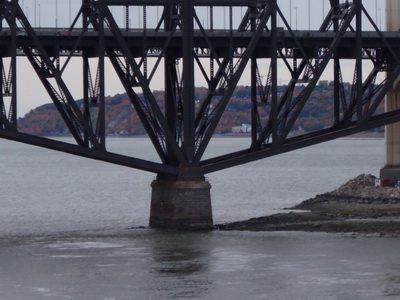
(366, 135)
(377, 135)
(373, 135)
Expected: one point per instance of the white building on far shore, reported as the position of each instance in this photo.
(245, 128)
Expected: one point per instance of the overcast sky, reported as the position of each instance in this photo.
(59, 13)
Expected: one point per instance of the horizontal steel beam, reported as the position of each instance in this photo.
(179, 2)
(63, 42)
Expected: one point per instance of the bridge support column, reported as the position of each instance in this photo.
(181, 204)
(391, 170)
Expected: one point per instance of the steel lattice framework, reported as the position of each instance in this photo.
(182, 131)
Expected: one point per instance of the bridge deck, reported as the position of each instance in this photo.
(61, 42)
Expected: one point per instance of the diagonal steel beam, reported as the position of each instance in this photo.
(144, 84)
(69, 110)
(317, 74)
(178, 2)
(249, 155)
(233, 82)
(141, 111)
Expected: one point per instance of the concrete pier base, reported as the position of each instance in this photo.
(390, 173)
(181, 205)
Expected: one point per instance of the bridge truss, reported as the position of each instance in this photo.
(183, 49)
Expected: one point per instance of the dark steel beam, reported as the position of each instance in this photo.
(78, 40)
(147, 119)
(180, 133)
(173, 99)
(8, 80)
(63, 100)
(291, 144)
(166, 135)
(179, 2)
(359, 66)
(188, 81)
(232, 82)
(274, 79)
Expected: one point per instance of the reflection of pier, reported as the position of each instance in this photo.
(180, 131)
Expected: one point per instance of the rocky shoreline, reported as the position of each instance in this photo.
(356, 207)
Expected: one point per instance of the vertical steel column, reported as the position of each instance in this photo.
(2, 117)
(13, 104)
(253, 89)
(170, 80)
(86, 74)
(86, 105)
(231, 48)
(127, 18)
(145, 41)
(188, 80)
(211, 54)
(8, 79)
(101, 127)
(359, 50)
(274, 68)
(336, 68)
(2, 5)
(94, 94)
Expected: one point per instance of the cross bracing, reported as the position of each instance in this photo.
(184, 49)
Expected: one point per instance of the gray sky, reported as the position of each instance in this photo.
(59, 13)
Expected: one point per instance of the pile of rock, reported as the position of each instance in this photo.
(363, 187)
(363, 179)
(358, 193)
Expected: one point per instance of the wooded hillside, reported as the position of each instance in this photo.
(121, 118)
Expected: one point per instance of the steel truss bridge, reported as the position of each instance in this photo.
(257, 48)
(182, 132)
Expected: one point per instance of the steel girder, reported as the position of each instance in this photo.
(8, 80)
(179, 2)
(49, 72)
(179, 128)
(352, 113)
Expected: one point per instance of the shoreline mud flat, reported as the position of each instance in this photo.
(358, 206)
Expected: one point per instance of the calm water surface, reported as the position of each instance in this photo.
(65, 230)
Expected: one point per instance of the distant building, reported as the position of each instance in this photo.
(324, 83)
(245, 128)
(237, 129)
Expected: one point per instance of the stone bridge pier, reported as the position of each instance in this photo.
(391, 170)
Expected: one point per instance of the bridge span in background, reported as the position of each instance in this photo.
(182, 51)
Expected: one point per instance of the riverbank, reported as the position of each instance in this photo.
(357, 206)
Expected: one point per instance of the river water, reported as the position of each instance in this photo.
(71, 229)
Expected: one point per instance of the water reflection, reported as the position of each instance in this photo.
(393, 282)
(179, 261)
(182, 261)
